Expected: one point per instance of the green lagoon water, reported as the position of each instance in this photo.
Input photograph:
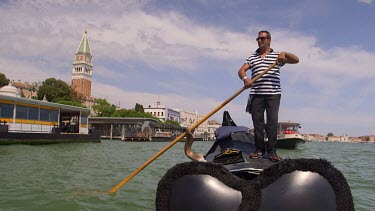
(66, 176)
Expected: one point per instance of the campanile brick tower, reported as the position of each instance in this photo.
(82, 69)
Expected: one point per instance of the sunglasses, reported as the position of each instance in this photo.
(261, 38)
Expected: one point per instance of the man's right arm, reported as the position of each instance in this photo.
(242, 75)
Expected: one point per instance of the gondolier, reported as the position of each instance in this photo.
(265, 94)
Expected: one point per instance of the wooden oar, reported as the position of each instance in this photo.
(114, 189)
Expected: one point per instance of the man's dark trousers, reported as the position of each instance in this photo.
(270, 104)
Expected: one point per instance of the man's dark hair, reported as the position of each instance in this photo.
(268, 34)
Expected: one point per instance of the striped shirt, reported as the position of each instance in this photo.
(269, 83)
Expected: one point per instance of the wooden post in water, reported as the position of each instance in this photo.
(110, 132)
(122, 132)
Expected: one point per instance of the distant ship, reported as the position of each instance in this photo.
(288, 136)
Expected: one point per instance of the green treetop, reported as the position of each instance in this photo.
(57, 91)
(3, 80)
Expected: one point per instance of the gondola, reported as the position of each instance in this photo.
(227, 179)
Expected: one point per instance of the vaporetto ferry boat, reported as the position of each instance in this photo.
(288, 136)
(32, 121)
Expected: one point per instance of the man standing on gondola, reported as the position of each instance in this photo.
(265, 93)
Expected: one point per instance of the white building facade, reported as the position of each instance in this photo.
(163, 113)
(184, 118)
(188, 119)
(212, 126)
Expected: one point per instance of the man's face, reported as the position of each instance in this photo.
(263, 40)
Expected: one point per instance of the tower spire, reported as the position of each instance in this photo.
(82, 68)
(84, 46)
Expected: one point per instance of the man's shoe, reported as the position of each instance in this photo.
(273, 156)
(257, 154)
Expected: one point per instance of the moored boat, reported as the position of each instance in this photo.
(161, 136)
(288, 136)
(227, 179)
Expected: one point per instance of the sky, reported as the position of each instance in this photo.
(187, 53)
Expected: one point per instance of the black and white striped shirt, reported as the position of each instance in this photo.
(269, 83)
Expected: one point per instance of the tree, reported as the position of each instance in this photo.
(57, 91)
(172, 122)
(71, 103)
(330, 134)
(132, 113)
(3, 80)
(138, 107)
(103, 108)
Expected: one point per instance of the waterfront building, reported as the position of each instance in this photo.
(367, 139)
(313, 137)
(337, 138)
(188, 119)
(212, 126)
(83, 71)
(26, 89)
(184, 118)
(354, 139)
(163, 113)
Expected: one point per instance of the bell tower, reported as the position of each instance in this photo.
(82, 69)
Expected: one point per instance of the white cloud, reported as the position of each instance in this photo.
(371, 2)
(30, 71)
